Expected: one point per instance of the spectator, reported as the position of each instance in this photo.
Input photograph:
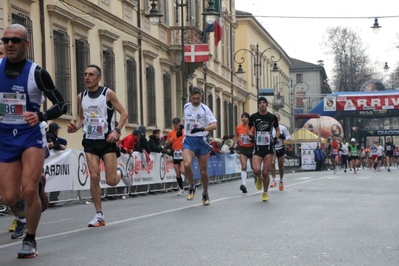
(227, 146)
(155, 142)
(143, 145)
(131, 142)
(52, 137)
(216, 145)
(319, 158)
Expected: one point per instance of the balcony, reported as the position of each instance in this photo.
(192, 35)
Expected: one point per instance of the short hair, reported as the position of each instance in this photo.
(156, 131)
(19, 27)
(245, 114)
(97, 68)
(195, 90)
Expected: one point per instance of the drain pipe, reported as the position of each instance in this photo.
(140, 65)
(43, 31)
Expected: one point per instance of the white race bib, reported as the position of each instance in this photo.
(12, 106)
(262, 138)
(178, 155)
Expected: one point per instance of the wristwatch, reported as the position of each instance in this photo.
(118, 130)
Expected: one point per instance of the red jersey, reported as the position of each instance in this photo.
(177, 143)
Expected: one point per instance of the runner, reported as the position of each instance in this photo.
(334, 148)
(279, 154)
(244, 147)
(354, 151)
(389, 148)
(263, 123)
(198, 120)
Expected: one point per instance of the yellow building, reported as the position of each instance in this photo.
(142, 62)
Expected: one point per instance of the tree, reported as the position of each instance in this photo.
(351, 62)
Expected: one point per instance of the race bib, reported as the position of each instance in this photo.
(354, 153)
(95, 129)
(12, 106)
(263, 138)
(245, 139)
(178, 155)
(190, 124)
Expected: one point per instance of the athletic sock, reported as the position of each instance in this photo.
(244, 178)
(179, 181)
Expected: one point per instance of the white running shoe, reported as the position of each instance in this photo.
(97, 221)
(125, 177)
(180, 191)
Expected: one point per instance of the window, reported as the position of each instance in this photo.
(299, 78)
(231, 119)
(226, 118)
(82, 57)
(164, 9)
(62, 66)
(167, 91)
(151, 99)
(27, 23)
(109, 69)
(218, 117)
(132, 99)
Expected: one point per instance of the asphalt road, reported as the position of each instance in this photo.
(320, 218)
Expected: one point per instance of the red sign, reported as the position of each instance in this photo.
(367, 102)
(194, 53)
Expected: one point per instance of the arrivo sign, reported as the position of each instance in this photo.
(367, 102)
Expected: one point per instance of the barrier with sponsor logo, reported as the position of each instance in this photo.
(68, 171)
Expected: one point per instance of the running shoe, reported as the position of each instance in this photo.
(389, 170)
(13, 226)
(42, 192)
(345, 170)
(265, 197)
(124, 176)
(243, 189)
(28, 250)
(205, 199)
(259, 183)
(281, 186)
(97, 221)
(191, 193)
(180, 191)
(19, 230)
(273, 184)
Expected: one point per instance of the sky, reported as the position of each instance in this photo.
(301, 38)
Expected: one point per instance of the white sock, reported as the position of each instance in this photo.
(244, 178)
(281, 180)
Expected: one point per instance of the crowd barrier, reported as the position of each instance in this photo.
(68, 176)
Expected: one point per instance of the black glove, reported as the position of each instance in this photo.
(274, 141)
(282, 136)
(197, 129)
(232, 150)
(251, 138)
(180, 131)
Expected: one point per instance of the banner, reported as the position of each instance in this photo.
(360, 102)
(307, 155)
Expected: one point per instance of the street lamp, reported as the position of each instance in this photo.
(376, 27)
(278, 98)
(257, 64)
(210, 16)
(294, 101)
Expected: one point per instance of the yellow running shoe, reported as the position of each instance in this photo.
(265, 197)
(259, 183)
(13, 226)
(191, 193)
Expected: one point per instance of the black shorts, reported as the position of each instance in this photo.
(246, 151)
(265, 150)
(280, 153)
(99, 147)
(389, 154)
(350, 158)
(177, 161)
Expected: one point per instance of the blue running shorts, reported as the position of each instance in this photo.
(198, 145)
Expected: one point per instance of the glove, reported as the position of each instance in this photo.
(282, 136)
(180, 131)
(197, 129)
(251, 138)
(274, 141)
(232, 150)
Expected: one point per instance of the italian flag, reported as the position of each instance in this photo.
(218, 22)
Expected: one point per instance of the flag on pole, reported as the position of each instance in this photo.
(218, 22)
(194, 53)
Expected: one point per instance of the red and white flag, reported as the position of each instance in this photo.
(194, 53)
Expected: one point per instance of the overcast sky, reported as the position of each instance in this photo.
(301, 37)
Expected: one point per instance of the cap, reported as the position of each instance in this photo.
(53, 127)
(353, 140)
(142, 128)
(262, 98)
(137, 132)
(176, 120)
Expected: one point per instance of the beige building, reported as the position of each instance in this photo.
(142, 62)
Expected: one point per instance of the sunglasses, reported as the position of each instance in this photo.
(14, 40)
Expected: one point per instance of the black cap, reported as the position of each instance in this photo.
(143, 129)
(262, 98)
(53, 127)
(137, 132)
(176, 120)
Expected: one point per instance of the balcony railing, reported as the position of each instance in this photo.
(192, 35)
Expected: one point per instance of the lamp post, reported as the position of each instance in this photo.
(278, 98)
(257, 64)
(210, 16)
(294, 100)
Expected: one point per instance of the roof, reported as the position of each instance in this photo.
(304, 135)
(299, 64)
